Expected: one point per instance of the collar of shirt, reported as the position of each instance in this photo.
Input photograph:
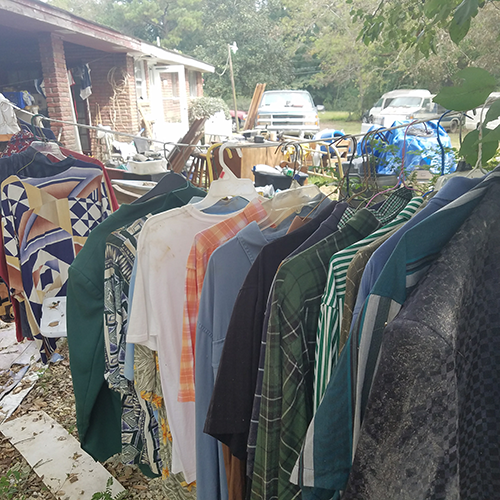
(389, 209)
(252, 240)
(409, 210)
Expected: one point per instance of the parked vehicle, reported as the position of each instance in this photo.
(381, 104)
(473, 116)
(290, 111)
(242, 116)
(433, 111)
(404, 107)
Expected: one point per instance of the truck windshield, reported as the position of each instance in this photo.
(406, 102)
(287, 99)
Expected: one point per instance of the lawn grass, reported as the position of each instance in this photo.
(347, 127)
(334, 116)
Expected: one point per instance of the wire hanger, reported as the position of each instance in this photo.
(291, 200)
(401, 177)
(46, 147)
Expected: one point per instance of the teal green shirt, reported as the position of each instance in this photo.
(98, 408)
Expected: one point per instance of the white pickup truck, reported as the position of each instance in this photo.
(292, 112)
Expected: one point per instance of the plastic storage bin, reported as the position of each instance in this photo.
(147, 167)
(278, 181)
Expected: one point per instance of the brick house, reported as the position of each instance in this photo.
(133, 82)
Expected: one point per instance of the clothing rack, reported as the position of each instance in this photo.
(101, 129)
(233, 144)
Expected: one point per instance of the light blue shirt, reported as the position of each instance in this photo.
(226, 272)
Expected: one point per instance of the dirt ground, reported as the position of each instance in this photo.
(53, 393)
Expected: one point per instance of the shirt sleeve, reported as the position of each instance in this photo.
(191, 303)
(98, 409)
(141, 322)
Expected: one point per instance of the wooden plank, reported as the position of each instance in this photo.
(179, 155)
(254, 106)
(57, 457)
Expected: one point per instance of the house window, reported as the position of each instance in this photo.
(193, 83)
(140, 80)
(175, 84)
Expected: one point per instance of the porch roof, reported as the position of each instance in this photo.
(34, 16)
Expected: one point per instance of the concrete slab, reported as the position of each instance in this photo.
(56, 456)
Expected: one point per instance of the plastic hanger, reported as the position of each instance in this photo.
(228, 185)
(48, 148)
(289, 201)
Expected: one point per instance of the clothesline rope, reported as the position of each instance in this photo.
(233, 143)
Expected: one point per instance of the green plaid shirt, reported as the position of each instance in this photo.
(287, 396)
(391, 207)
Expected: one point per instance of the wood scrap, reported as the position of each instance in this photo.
(178, 157)
(254, 106)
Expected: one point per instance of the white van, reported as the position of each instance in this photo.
(405, 106)
(382, 103)
(473, 116)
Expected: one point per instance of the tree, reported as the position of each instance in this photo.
(261, 56)
(177, 23)
(416, 23)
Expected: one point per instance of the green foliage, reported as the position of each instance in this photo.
(477, 84)
(13, 483)
(493, 113)
(470, 150)
(205, 107)
(107, 494)
(261, 55)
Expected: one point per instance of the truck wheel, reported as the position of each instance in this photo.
(454, 126)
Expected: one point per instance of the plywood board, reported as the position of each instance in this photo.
(56, 456)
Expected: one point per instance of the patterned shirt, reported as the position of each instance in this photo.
(18, 142)
(45, 223)
(140, 436)
(352, 281)
(390, 208)
(121, 249)
(332, 436)
(332, 303)
(286, 405)
(148, 385)
(205, 243)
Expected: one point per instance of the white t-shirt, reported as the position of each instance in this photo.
(155, 319)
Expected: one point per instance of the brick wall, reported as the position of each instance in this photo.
(59, 103)
(113, 101)
(170, 91)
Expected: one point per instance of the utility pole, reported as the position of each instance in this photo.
(233, 48)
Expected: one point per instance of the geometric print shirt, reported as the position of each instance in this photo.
(45, 223)
(121, 249)
(140, 433)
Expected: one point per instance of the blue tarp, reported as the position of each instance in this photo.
(422, 148)
(327, 135)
